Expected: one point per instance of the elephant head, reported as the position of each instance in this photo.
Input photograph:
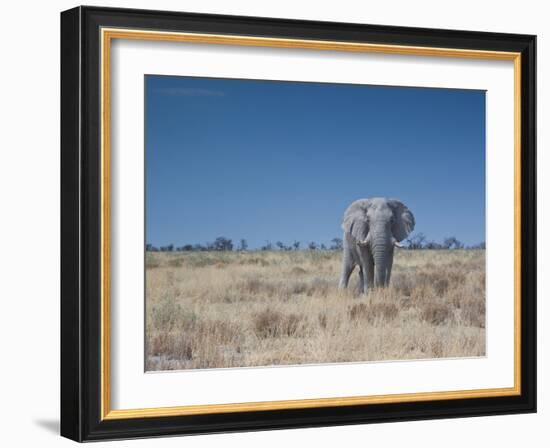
(372, 227)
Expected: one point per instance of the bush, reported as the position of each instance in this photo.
(436, 314)
(272, 324)
(372, 312)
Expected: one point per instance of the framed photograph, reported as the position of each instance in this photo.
(273, 223)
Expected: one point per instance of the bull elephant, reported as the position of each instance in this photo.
(372, 228)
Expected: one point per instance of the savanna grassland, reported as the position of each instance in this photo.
(260, 308)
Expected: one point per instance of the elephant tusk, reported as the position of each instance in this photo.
(362, 243)
(397, 244)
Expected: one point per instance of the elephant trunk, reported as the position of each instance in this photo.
(380, 250)
(380, 271)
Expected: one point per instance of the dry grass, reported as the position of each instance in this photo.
(229, 309)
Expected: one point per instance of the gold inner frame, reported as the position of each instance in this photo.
(107, 35)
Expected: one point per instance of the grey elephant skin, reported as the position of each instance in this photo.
(372, 229)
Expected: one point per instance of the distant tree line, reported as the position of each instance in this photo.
(219, 244)
(224, 244)
(417, 241)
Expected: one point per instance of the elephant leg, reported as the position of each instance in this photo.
(347, 268)
(370, 271)
(367, 268)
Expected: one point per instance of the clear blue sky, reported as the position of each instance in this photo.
(269, 160)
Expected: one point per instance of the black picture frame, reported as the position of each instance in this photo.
(81, 224)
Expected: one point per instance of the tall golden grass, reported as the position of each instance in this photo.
(231, 309)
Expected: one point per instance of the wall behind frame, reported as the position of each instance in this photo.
(29, 184)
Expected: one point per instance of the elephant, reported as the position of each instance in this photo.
(372, 228)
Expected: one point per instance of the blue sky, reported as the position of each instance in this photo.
(281, 161)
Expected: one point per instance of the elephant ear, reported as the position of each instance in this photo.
(355, 220)
(403, 220)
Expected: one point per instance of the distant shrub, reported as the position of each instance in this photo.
(452, 243)
(337, 244)
(267, 246)
(243, 245)
(478, 246)
(222, 244)
(416, 241)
